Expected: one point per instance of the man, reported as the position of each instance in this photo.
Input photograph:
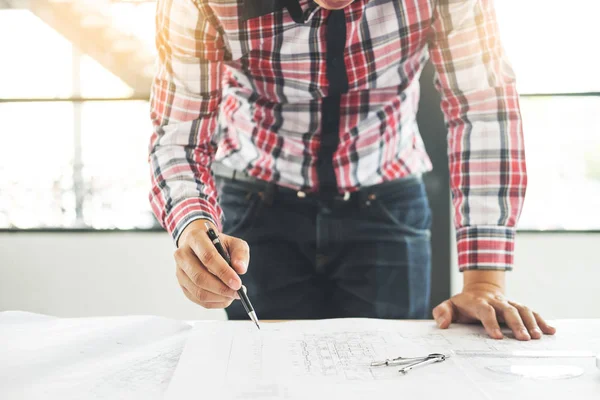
(301, 118)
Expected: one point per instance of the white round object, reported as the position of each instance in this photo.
(539, 371)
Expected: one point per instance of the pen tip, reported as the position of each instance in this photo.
(254, 318)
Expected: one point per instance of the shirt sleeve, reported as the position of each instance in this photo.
(486, 153)
(184, 102)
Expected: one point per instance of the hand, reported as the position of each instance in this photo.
(485, 302)
(204, 276)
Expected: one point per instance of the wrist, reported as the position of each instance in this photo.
(194, 226)
(494, 280)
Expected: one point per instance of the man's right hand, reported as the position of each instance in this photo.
(204, 276)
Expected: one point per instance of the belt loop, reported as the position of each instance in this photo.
(268, 196)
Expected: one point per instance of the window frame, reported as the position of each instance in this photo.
(138, 97)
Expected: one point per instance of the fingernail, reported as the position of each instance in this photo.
(525, 334)
(441, 321)
(234, 284)
(243, 266)
(236, 296)
(536, 332)
(498, 333)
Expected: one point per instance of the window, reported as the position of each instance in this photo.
(551, 45)
(75, 135)
(53, 158)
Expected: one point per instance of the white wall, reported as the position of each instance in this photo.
(85, 274)
(556, 274)
(67, 274)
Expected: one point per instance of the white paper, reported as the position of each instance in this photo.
(316, 359)
(87, 358)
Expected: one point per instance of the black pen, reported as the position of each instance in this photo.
(242, 291)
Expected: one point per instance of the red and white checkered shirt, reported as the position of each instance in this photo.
(246, 90)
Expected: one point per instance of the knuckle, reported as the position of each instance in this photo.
(201, 295)
(482, 304)
(487, 308)
(225, 291)
(178, 256)
(515, 304)
(208, 256)
(196, 277)
(486, 311)
(222, 273)
(508, 309)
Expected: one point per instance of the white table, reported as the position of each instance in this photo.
(134, 357)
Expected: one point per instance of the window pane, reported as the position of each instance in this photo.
(115, 168)
(552, 44)
(562, 138)
(40, 60)
(36, 164)
(97, 81)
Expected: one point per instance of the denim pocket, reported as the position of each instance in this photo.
(407, 210)
(241, 209)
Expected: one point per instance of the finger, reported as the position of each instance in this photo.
(218, 305)
(487, 315)
(200, 277)
(189, 296)
(240, 253)
(202, 295)
(547, 329)
(206, 251)
(528, 319)
(444, 314)
(513, 320)
(206, 305)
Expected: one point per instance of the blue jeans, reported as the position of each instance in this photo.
(369, 256)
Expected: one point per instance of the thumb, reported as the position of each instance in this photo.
(444, 314)
(239, 253)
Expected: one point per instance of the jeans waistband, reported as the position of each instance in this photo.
(268, 190)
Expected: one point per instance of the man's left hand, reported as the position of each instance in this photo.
(485, 302)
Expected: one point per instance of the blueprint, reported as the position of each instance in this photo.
(88, 358)
(304, 359)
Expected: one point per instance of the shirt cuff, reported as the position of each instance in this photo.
(187, 211)
(485, 248)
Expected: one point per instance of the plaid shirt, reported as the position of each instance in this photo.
(242, 82)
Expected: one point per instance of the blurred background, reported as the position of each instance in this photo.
(77, 236)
